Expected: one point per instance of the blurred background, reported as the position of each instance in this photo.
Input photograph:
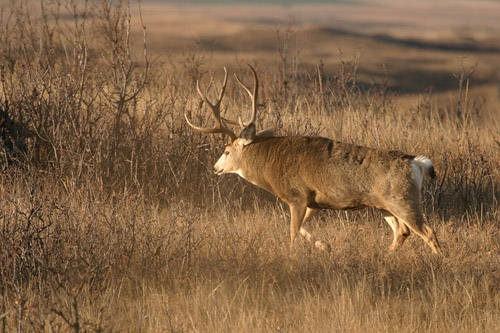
(411, 46)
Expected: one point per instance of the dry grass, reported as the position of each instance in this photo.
(112, 220)
(122, 264)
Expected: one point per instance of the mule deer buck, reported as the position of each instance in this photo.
(312, 173)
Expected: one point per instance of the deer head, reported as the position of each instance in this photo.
(230, 160)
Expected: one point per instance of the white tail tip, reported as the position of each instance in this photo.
(424, 160)
(426, 164)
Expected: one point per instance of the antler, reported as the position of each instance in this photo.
(219, 126)
(253, 97)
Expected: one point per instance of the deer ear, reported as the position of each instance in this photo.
(247, 135)
(265, 134)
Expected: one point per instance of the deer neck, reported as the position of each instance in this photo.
(252, 166)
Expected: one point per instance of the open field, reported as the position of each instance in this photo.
(111, 218)
(413, 45)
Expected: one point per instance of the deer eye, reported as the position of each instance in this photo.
(226, 152)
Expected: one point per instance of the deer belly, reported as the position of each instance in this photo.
(345, 202)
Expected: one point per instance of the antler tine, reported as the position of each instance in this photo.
(222, 130)
(253, 96)
(229, 121)
(215, 108)
(223, 90)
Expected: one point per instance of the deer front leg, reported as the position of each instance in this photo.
(317, 242)
(400, 230)
(297, 213)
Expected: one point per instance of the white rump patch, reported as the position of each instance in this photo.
(419, 166)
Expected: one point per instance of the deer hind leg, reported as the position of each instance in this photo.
(400, 230)
(297, 213)
(317, 242)
(415, 221)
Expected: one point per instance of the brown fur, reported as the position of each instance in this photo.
(311, 173)
(328, 174)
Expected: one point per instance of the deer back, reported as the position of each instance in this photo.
(326, 173)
